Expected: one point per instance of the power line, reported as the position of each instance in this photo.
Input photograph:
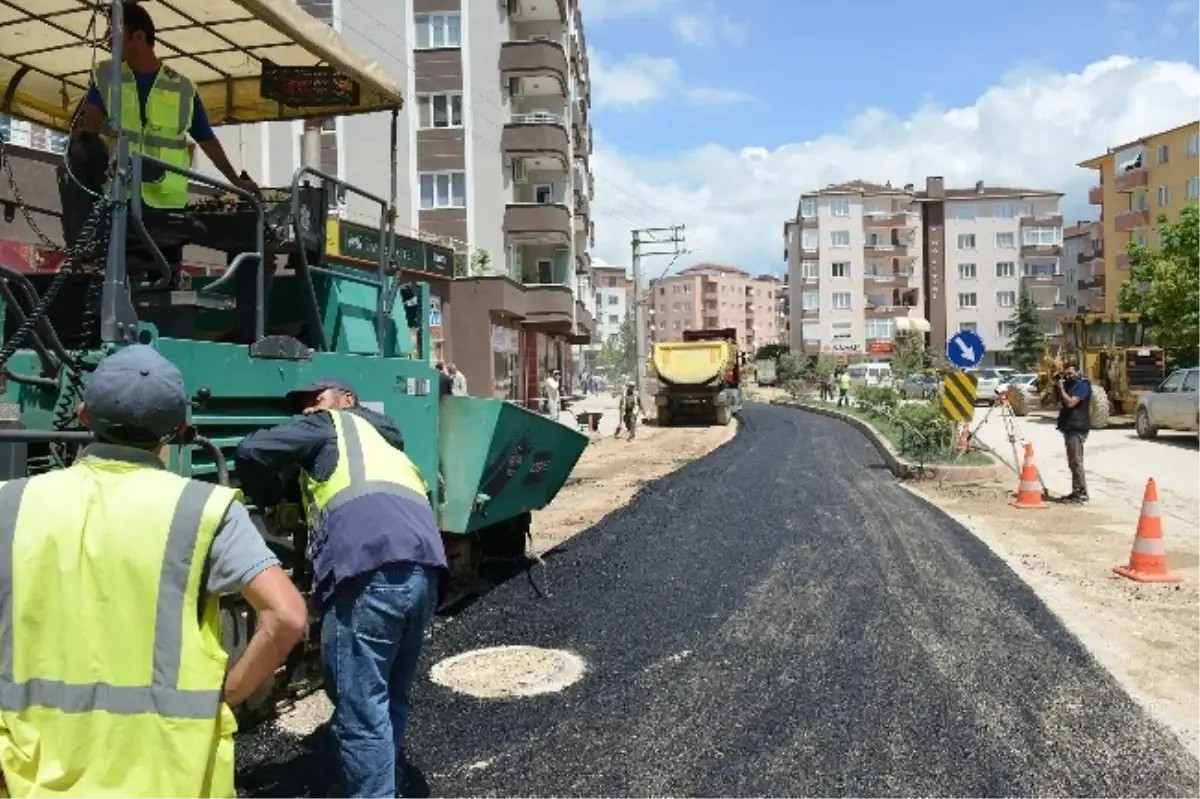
(658, 239)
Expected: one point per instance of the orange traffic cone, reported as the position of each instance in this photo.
(963, 441)
(1029, 489)
(1148, 559)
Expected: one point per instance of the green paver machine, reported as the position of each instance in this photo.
(246, 337)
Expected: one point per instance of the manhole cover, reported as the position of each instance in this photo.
(503, 672)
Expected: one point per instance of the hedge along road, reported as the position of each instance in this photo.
(780, 618)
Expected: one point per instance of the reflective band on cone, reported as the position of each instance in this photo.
(1148, 557)
(1029, 489)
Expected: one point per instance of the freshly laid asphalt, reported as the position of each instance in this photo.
(777, 619)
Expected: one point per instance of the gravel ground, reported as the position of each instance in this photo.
(779, 618)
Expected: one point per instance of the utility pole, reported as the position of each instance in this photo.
(657, 240)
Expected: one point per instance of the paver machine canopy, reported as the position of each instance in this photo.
(279, 316)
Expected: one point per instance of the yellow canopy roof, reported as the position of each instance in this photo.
(46, 56)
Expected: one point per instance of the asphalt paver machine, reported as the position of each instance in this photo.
(276, 318)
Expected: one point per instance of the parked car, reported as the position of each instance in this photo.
(1173, 405)
(918, 386)
(870, 374)
(1025, 383)
(988, 379)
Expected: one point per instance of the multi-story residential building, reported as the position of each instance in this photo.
(610, 304)
(494, 155)
(1138, 181)
(851, 253)
(867, 260)
(1083, 263)
(708, 296)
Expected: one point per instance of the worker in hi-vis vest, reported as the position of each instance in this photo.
(159, 109)
(113, 678)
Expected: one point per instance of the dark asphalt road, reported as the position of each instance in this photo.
(779, 618)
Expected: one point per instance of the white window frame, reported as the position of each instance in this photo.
(1164, 196)
(1004, 211)
(835, 237)
(427, 110)
(974, 299)
(837, 298)
(1005, 329)
(840, 266)
(1193, 145)
(1011, 239)
(810, 239)
(437, 185)
(972, 326)
(808, 208)
(839, 207)
(968, 271)
(1006, 299)
(1193, 189)
(965, 212)
(1010, 271)
(439, 30)
(1041, 236)
(810, 300)
(1164, 154)
(549, 189)
(810, 270)
(967, 241)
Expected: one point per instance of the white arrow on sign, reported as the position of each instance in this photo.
(967, 350)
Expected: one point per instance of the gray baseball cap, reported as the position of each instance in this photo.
(136, 396)
(298, 398)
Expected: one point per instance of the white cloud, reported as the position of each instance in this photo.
(706, 27)
(597, 10)
(1180, 16)
(1031, 130)
(640, 79)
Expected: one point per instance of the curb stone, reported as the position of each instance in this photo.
(901, 468)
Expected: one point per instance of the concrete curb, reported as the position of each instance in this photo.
(905, 470)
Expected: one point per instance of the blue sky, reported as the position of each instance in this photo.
(678, 84)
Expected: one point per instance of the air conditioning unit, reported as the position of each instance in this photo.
(518, 170)
(514, 87)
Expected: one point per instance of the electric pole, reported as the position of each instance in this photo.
(657, 240)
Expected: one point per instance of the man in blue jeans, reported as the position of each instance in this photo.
(377, 556)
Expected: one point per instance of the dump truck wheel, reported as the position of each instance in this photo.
(1098, 409)
(724, 414)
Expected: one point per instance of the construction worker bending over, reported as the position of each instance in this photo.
(112, 675)
(377, 557)
(628, 410)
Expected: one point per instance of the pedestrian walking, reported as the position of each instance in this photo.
(458, 381)
(377, 559)
(629, 410)
(115, 680)
(553, 394)
(843, 385)
(1074, 393)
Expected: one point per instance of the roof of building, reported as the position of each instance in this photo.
(713, 270)
(1081, 228)
(859, 186)
(1095, 162)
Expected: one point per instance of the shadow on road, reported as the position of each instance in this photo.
(1188, 441)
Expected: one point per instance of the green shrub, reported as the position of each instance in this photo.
(925, 434)
(798, 390)
(877, 400)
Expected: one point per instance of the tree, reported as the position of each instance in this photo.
(771, 352)
(1028, 340)
(1164, 284)
(618, 355)
(908, 356)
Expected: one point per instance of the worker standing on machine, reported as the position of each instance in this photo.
(112, 673)
(377, 558)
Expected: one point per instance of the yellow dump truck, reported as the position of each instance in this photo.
(699, 378)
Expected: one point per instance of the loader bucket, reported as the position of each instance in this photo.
(499, 460)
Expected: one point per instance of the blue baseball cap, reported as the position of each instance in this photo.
(136, 396)
(297, 399)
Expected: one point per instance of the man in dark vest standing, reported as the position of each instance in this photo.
(1075, 393)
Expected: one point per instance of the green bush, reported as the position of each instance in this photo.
(925, 434)
(798, 390)
(877, 400)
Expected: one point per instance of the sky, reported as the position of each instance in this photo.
(718, 115)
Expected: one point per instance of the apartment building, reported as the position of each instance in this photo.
(867, 260)
(1138, 181)
(1083, 260)
(852, 278)
(708, 296)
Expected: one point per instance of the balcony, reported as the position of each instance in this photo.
(1093, 283)
(547, 223)
(1133, 179)
(809, 222)
(1041, 250)
(585, 325)
(583, 263)
(873, 311)
(548, 307)
(888, 280)
(539, 63)
(1096, 195)
(537, 10)
(536, 136)
(1123, 262)
(583, 213)
(1131, 220)
(888, 250)
(1094, 254)
(877, 221)
(1042, 278)
(1042, 220)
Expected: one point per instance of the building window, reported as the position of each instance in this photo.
(1006, 269)
(971, 326)
(881, 328)
(839, 208)
(808, 240)
(613, 299)
(613, 319)
(966, 241)
(1041, 236)
(1139, 201)
(1193, 188)
(839, 238)
(1006, 329)
(1164, 196)
(808, 208)
(964, 213)
(438, 30)
(1006, 299)
(1140, 238)
(839, 269)
(810, 270)
(1164, 154)
(810, 300)
(440, 110)
(1004, 210)
(967, 272)
(443, 190)
(968, 300)
(1006, 241)
(1193, 145)
(841, 300)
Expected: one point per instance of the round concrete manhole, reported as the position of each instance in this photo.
(506, 672)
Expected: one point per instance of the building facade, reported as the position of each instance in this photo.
(711, 296)
(867, 260)
(1138, 181)
(1083, 263)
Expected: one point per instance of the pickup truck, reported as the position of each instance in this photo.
(1173, 405)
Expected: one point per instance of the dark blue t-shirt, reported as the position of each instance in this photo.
(1075, 420)
(200, 130)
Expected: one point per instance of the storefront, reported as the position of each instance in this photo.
(485, 328)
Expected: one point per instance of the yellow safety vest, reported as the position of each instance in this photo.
(164, 136)
(110, 671)
(367, 464)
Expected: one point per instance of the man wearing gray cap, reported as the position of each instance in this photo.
(110, 628)
(377, 558)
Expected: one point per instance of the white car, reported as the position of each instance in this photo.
(1025, 383)
(1173, 405)
(988, 379)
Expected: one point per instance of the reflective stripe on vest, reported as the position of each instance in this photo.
(162, 696)
(367, 464)
(168, 116)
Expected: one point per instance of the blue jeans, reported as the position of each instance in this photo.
(371, 637)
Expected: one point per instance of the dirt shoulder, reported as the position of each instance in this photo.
(1147, 635)
(612, 470)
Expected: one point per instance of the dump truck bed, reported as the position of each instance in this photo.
(692, 363)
